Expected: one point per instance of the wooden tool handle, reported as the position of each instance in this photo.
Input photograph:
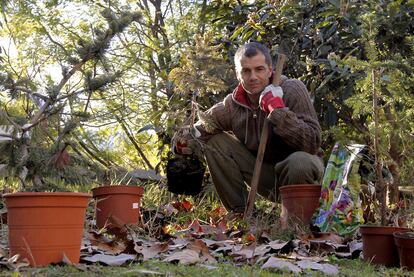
(278, 70)
(262, 146)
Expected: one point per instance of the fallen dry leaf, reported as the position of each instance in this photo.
(183, 205)
(296, 256)
(151, 251)
(202, 249)
(15, 262)
(14, 259)
(278, 244)
(185, 257)
(169, 210)
(249, 237)
(246, 251)
(179, 243)
(100, 242)
(236, 234)
(217, 243)
(263, 258)
(322, 247)
(265, 236)
(325, 268)
(355, 247)
(262, 250)
(300, 247)
(281, 264)
(218, 212)
(110, 260)
(224, 249)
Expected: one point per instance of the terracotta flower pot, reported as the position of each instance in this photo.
(117, 205)
(378, 245)
(46, 226)
(405, 244)
(299, 202)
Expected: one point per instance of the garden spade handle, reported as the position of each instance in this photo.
(262, 146)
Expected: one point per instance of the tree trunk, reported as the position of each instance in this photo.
(395, 154)
(380, 185)
(134, 142)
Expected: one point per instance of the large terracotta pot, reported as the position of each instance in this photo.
(299, 202)
(46, 226)
(117, 204)
(378, 245)
(405, 244)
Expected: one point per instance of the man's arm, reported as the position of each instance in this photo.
(297, 124)
(215, 120)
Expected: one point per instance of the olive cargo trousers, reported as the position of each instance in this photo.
(231, 166)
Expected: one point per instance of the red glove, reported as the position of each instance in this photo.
(271, 98)
(181, 147)
(183, 141)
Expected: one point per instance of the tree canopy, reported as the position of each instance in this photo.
(89, 87)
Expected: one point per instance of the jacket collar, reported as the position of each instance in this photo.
(240, 94)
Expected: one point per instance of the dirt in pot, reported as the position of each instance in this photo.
(185, 175)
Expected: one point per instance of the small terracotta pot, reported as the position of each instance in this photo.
(117, 205)
(405, 244)
(378, 245)
(45, 226)
(299, 202)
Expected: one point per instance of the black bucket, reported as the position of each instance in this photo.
(185, 175)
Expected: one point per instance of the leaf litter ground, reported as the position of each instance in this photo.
(225, 239)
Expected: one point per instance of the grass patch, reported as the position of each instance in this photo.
(355, 268)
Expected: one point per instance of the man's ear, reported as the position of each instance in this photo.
(270, 70)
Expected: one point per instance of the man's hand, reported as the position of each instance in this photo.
(181, 147)
(184, 140)
(271, 98)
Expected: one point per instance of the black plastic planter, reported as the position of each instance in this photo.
(185, 175)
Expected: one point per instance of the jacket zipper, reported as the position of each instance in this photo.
(256, 123)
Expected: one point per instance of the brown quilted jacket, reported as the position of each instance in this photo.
(295, 128)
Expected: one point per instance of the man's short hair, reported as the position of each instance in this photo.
(251, 49)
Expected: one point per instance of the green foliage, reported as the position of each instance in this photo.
(202, 69)
(143, 76)
(39, 152)
(332, 46)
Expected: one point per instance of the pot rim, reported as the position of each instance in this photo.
(402, 234)
(118, 189)
(380, 230)
(47, 194)
(300, 186)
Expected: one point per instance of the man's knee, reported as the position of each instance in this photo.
(300, 167)
(300, 160)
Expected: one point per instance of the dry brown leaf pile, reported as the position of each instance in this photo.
(207, 244)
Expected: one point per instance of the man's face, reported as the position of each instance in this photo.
(253, 73)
